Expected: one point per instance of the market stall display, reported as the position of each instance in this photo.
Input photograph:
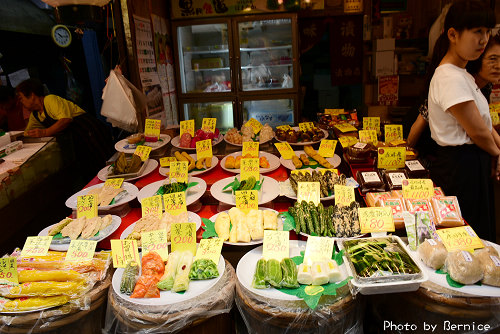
(128, 145)
(268, 162)
(148, 167)
(189, 143)
(269, 191)
(247, 134)
(204, 166)
(302, 156)
(297, 137)
(128, 193)
(327, 180)
(196, 189)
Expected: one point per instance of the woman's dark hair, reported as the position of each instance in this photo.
(31, 86)
(474, 66)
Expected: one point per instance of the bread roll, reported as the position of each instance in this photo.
(464, 267)
(433, 253)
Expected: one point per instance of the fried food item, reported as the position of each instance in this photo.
(187, 156)
(199, 164)
(237, 162)
(296, 161)
(304, 160)
(264, 163)
(230, 161)
(191, 166)
(208, 162)
(180, 157)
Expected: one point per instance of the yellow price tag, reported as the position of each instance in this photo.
(183, 237)
(86, 206)
(165, 162)
(397, 142)
(308, 191)
(391, 157)
(418, 188)
(371, 123)
(143, 152)
(459, 238)
(187, 127)
(495, 120)
(179, 171)
(36, 246)
(152, 128)
(251, 148)
(376, 220)
(285, 150)
(345, 127)
(114, 183)
(334, 111)
(208, 124)
(204, 149)
(276, 245)
(81, 250)
(123, 252)
(318, 249)
(155, 241)
(247, 200)
(348, 141)
(152, 206)
(327, 148)
(175, 203)
(393, 132)
(248, 168)
(306, 126)
(368, 136)
(8, 271)
(209, 249)
(283, 127)
(344, 195)
(255, 124)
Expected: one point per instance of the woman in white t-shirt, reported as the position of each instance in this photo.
(459, 117)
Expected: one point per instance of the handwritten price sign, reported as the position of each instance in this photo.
(204, 149)
(306, 126)
(152, 206)
(209, 249)
(371, 123)
(418, 188)
(8, 271)
(376, 220)
(344, 195)
(208, 124)
(165, 162)
(36, 246)
(247, 200)
(187, 127)
(81, 250)
(152, 128)
(175, 203)
(249, 168)
(334, 111)
(318, 249)
(391, 157)
(155, 241)
(183, 237)
(285, 150)
(255, 124)
(124, 251)
(393, 132)
(345, 127)
(368, 136)
(347, 141)
(460, 238)
(114, 183)
(276, 245)
(143, 152)
(86, 206)
(179, 171)
(327, 148)
(251, 148)
(283, 127)
(308, 191)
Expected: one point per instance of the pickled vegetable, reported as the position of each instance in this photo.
(273, 273)
(259, 278)
(289, 271)
(129, 278)
(203, 269)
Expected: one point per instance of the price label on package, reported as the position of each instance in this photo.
(165, 162)
(459, 238)
(114, 183)
(334, 112)
(123, 252)
(249, 168)
(179, 171)
(209, 249)
(204, 149)
(495, 120)
(418, 188)
(209, 124)
(376, 220)
(183, 237)
(143, 152)
(86, 206)
(318, 249)
(345, 127)
(152, 206)
(306, 126)
(81, 250)
(187, 127)
(285, 150)
(371, 123)
(347, 141)
(247, 200)
(327, 148)
(393, 132)
(250, 148)
(155, 241)
(152, 128)
(36, 246)
(368, 136)
(276, 245)
(255, 124)
(8, 271)
(308, 191)
(344, 195)
(283, 127)
(391, 157)
(175, 203)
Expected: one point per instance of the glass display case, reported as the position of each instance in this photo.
(222, 110)
(273, 112)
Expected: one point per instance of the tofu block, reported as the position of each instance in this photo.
(319, 273)
(304, 274)
(333, 271)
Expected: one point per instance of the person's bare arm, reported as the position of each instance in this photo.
(416, 130)
(496, 137)
(51, 131)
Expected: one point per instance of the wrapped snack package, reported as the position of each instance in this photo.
(394, 178)
(372, 198)
(416, 170)
(398, 207)
(447, 211)
(464, 267)
(433, 253)
(370, 181)
(411, 229)
(418, 205)
(425, 227)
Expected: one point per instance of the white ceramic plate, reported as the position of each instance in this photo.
(192, 194)
(192, 218)
(287, 191)
(195, 289)
(296, 128)
(270, 190)
(176, 141)
(63, 244)
(165, 170)
(125, 147)
(253, 242)
(241, 145)
(335, 161)
(132, 192)
(151, 165)
(274, 162)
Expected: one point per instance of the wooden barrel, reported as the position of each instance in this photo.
(437, 305)
(209, 308)
(335, 314)
(64, 319)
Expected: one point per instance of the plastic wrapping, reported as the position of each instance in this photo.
(126, 317)
(433, 253)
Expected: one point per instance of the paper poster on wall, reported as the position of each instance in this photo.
(388, 90)
(19, 76)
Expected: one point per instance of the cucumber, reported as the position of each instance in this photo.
(321, 215)
(314, 216)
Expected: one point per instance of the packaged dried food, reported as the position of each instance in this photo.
(360, 150)
(370, 181)
(415, 170)
(447, 211)
(394, 178)
(438, 191)
(372, 198)
(418, 205)
(398, 207)
(426, 229)
(42, 289)
(31, 303)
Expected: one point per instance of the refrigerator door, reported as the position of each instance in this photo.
(273, 112)
(222, 110)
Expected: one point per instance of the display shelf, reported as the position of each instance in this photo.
(269, 66)
(210, 69)
(268, 48)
